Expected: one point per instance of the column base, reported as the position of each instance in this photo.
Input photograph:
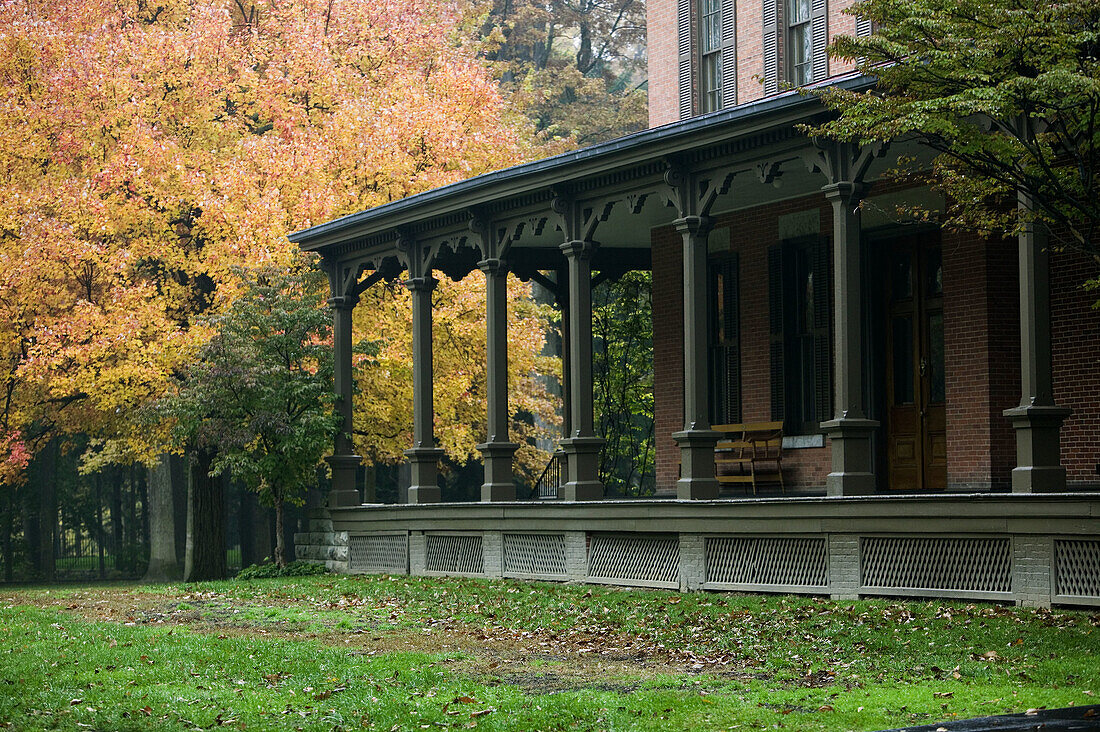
(697, 479)
(582, 456)
(1038, 448)
(852, 472)
(343, 491)
(424, 487)
(499, 482)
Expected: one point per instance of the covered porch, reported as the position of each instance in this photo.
(778, 295)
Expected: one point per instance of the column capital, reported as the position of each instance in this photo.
(493, 267)
(343, 302)
(579, 248)
(844, 191)
(421, 284)
(694, 225)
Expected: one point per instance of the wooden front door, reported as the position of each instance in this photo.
(916, 434)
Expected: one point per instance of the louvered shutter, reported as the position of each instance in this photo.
(686, 47)
(864, 28)
(775, 329)
(823, 361)
(729, 54)
(819, 29)
(731, 330)
(771, 46)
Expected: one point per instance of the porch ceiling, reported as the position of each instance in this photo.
(620, 183)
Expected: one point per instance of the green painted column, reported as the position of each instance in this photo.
(582, 447)
(424, 455)
(343, 462)
(849, 429)
(497, 451)
(1037, 420)
(697, 440)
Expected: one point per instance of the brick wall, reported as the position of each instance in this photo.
(664, 98)
(663, 55)
(756, 231)
(1075, 335)
(981, 341)
(982, 356)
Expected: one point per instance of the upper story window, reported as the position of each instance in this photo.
(707, 55)
(800, 42)
(710, 56)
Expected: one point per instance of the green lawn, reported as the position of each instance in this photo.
(396, 653)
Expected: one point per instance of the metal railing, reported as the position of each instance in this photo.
(546, 487)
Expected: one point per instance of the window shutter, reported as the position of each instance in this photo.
(686, 47)
(823, 362)
(864, 27)
(771, 46)
(775, 329)
(729, 54)
(819, 29)
(731, 310)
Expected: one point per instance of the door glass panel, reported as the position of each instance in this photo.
(903, 359)
(934, 270)
(937, 385)
(901, 276)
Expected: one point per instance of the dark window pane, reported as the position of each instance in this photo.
(901, 276)
(903, 359)
(934, 270)
(937, 387)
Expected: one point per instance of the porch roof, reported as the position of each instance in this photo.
(569, 168)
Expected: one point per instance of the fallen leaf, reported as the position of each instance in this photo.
(943, 694)
(464, 700)
(482, 712)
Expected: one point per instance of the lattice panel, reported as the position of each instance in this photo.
(1078, 567)
(789, 561)
(973, 565)
(379, 553)
(538, 554)
(650, 560)
(454, 554)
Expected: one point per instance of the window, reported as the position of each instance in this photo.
(800, 356)
(707, 55)
(795, 37)
(800, 42)
(725, 340)
(710, 56)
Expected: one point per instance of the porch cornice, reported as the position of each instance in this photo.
(639, 148)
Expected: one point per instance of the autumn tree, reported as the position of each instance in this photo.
(383, 372)
(1006, 92)
(152, 149)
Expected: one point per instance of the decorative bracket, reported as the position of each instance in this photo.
(694, 195)
(843, 162)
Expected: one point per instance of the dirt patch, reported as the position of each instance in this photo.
(539, 661)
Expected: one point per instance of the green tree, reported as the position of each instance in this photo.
(576, 68)
(622, 372)
(258, 400)
(1006, 92)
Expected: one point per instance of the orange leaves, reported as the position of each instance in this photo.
(151, 149)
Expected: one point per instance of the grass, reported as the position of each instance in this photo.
(388, 653)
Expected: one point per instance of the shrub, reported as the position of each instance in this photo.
(294, 569)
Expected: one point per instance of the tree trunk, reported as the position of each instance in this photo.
(47, 511)
(205, 558)
(180, 482)
(9, 518)
(100, 534)
(163, 564)
(116, 515)
(280, 558)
